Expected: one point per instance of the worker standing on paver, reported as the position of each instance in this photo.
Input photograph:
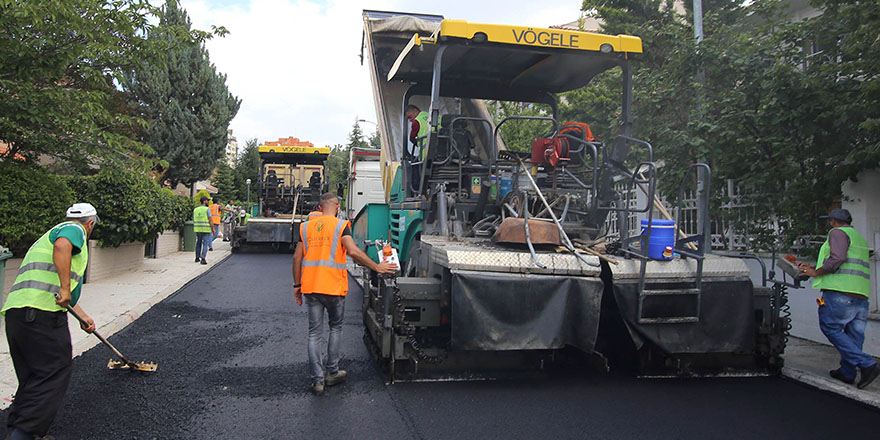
(418, 131)
(36, 321)
(319, 273)
(844, 277)
(202, 228)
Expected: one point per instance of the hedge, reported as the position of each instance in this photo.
(131, 206)
(31, 202)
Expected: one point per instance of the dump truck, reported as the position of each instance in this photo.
(290, 186)
(514, 254)
(364, 180)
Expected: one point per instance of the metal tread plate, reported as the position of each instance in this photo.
(483, 255)
(714, 266)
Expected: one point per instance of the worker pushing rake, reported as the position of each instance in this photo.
(48, 284)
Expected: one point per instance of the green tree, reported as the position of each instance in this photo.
(338, 161)
(224, 180)
(248, 167)
(375, 141)
(185, 100)
(337, 165)
(58, 64)
(788, 126)
(356, 138)
(518, 134)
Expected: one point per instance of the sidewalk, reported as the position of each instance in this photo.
(809, 362)
(116, 302)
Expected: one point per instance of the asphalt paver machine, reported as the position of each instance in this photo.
(495, 240)
(290, 186)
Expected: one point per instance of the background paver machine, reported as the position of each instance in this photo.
(500, 268)
(290, 186)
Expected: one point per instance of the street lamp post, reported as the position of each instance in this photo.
(248, 182)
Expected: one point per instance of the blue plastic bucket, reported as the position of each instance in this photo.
(506, 184)
(662, 235)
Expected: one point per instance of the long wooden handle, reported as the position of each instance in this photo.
(106, 342)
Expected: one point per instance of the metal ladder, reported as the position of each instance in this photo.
(696, 251)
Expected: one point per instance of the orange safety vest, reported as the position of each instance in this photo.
(215, 213)
(315, 214)
(323, 265)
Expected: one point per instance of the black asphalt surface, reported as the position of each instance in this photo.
(231, 348)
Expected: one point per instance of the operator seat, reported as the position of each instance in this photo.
(271, 187)
(454, 138)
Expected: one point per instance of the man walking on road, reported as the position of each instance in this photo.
(36, 321)
(320, 274)
(844, 277)
(202, 228)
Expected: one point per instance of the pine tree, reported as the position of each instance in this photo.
(248, 167)
(186, 102)
(224, 180)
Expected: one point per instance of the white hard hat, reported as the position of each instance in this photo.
(81, 210)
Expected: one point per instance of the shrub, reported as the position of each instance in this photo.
(198, 197)
(178, 209)
(132, 207)
(31, 202)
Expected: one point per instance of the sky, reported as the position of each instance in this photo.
(295, 64)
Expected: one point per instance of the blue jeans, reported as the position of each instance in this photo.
(214, 234)
(202, 244)
(335, 306)
(843, 319)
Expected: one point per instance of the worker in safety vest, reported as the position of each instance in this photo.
(49, 280)
(229, 212)
(844, 277)
(214, 209)
(320, 274)
(417, 137)
(203, 230)
(315, 214)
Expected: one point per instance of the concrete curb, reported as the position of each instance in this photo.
(833, 386)
(126, 318)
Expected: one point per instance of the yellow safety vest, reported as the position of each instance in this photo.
(201, 221)
(37, 281)
(854, 275)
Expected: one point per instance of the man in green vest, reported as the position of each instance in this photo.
(843, 274)
(417, 136)
(203, 230)
(48, 281)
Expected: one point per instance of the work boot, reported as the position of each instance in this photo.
(335, 378)
(837, 374)
(318, 388)
(203, 261)
(868, 376)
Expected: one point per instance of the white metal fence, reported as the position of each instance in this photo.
(728, 232)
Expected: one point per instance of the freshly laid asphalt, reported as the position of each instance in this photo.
(231, 349)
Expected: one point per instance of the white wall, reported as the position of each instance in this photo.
(863, 202)
(109, 262)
